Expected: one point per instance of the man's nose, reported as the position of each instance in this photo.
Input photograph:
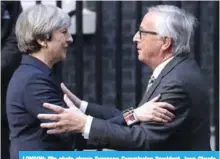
(136, 37)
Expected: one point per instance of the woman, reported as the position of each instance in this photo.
(43, 36)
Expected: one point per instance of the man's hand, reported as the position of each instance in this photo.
(66, 120)
(155, 111)
(75, 100)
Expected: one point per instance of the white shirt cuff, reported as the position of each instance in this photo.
(83, 106)
(87, 127)
(135, 115)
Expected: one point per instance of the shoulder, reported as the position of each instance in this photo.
(187, 70)
(26, 75)
(186, 75)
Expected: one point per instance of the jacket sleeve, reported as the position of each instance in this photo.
(39, 90)
(102, 112)
(107, 113)
(144, 136)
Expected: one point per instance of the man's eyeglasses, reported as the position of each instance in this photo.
(146, 32)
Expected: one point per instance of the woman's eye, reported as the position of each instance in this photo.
(64, 31)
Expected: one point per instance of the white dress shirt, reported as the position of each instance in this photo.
(160, 67)
(84, 104)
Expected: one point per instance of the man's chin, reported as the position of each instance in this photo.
(140, 58)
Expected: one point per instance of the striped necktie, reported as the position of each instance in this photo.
(150, 82)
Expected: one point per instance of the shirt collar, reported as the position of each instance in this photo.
(160, 67)
(30, 60)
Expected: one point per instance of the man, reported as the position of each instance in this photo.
(163, 43)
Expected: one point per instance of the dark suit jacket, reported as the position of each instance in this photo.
(182, 85)
(31, 85)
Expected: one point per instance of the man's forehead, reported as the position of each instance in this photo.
(148, 20)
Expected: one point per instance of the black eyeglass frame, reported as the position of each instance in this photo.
(146, 32)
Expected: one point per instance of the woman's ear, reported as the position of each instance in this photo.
(42, 43)
(43, 39)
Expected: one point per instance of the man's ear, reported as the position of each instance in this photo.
(167, 43)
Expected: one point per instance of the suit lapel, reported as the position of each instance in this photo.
(170, 66)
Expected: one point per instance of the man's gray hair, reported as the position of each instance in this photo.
(38, 21)
(177, 24)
